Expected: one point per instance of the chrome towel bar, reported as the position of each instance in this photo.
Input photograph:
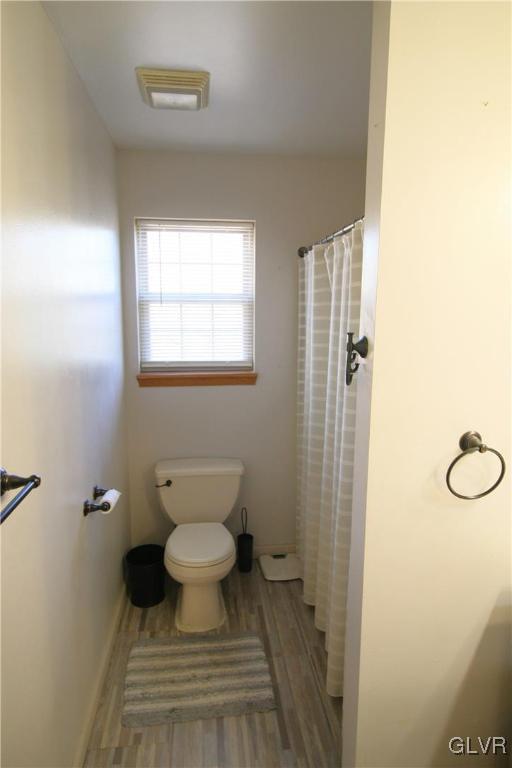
(469, 443)
(10, 483)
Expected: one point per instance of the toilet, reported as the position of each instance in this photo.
(198, 495)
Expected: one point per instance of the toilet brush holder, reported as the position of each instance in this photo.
(244, 546)
(245, 552)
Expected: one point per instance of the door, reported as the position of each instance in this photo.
(428, 641)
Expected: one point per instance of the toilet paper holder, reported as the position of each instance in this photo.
(90, 506)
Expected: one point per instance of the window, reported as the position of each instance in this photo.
(195, 295)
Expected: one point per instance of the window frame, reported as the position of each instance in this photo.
(195, 375)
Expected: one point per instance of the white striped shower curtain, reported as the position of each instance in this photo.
(329, 304)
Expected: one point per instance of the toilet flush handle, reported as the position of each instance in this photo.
(167, 483)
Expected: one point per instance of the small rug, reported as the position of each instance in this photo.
(195, 678)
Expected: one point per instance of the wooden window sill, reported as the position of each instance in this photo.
(199, 379)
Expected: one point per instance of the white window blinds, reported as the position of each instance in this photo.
(195, 294)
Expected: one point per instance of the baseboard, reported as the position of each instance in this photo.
(103, 668)
(273, 549)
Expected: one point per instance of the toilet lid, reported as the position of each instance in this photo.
(199, 544)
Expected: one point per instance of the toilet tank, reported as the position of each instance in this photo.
(198, 490)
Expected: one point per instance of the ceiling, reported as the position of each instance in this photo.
(286, 77)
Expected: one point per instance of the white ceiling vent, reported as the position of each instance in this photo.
(173, 89)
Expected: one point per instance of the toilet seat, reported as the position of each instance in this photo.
(198, 545)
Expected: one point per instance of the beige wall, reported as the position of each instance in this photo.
(62, 395)
(294, 201)
(429, 655)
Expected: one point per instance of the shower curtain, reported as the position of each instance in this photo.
(329, 303)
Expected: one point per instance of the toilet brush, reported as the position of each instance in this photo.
(244, 545)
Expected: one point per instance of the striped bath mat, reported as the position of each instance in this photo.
(194, 678)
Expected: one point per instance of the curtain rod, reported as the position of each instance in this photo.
(343, 231)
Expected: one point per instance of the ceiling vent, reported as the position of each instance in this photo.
(173, 89)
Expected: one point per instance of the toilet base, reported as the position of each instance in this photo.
(200, 607)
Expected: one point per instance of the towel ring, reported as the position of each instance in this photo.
(469, 443)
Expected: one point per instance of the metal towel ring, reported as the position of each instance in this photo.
(469, 443)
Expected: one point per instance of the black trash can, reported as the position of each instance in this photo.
(145, 575)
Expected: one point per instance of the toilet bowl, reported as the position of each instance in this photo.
(198, 556)
(198, 495)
